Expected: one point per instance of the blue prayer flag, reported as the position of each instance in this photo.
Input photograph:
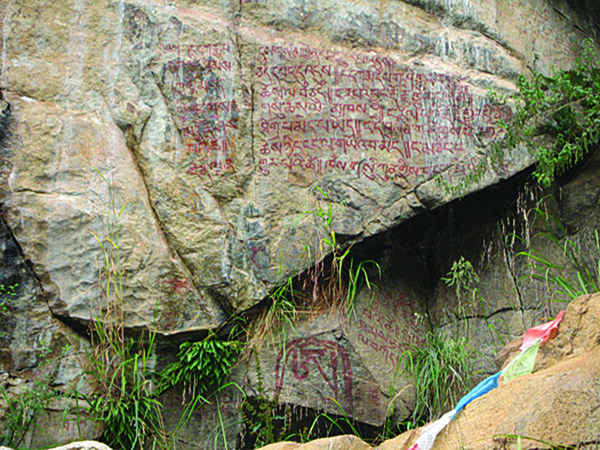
(484, 387)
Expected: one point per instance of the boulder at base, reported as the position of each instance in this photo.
(558, 403)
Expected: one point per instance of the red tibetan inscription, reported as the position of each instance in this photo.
(389, 325)
(318, 111)
(321, 111)
(327, 359)
(199, 82)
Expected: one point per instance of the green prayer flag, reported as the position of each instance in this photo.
(522, 364)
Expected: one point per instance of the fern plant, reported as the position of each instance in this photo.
(202, 366)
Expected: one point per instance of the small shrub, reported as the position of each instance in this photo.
(462, 277)
(566, 107)
(557, 118)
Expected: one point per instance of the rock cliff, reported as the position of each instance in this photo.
(215, 123)
(212, 145)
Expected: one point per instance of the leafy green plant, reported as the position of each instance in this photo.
(8, 295)
(442, 370)
(202, 366)
(124, 396)
(462, 277)
(557, 118)
(131, 414)
(331, 285)
(277, 318)
(565, 106)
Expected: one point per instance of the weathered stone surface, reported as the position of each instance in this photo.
(412, 295)
(282, 446)
(216, 121)
(318, 367)
(215, 424)
(350, 363)
(334, 443)
(64, 220)
(337, 443)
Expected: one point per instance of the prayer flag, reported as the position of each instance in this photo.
(522, 364)
(484, 387)
(543, 332)
(430, 432)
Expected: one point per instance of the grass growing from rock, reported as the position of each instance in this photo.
(564, 281)
(442, 370)
(119, 365)
(330, 286)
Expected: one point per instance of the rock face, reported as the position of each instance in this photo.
(215, 122)
(204, 149)
(350, 363)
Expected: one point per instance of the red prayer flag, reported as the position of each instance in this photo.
(542, 332)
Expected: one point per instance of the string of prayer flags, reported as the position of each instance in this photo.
(522, 365)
